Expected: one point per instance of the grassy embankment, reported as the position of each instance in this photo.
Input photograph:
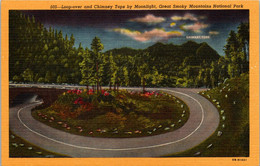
(19, 147)
(231, 139)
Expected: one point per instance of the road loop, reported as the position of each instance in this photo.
(200, 125)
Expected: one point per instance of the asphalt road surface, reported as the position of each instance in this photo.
(203, 121)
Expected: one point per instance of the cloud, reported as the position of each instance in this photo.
(172, 24)
(213, 32)
(152, 35)
(196, 27)
(202, 17)
(176, 18)
(127, 32)
(149, 19)
(188, 16)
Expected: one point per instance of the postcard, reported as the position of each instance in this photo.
(130, 83)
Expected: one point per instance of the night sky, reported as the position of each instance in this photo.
(140, 29)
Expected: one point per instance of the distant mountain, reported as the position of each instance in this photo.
(205, 52)
(123, 51)
(194, 53)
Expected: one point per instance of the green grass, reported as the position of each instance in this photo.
(18, 147)
(125, 115)
(233, 98)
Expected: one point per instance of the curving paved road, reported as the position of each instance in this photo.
(203, 121)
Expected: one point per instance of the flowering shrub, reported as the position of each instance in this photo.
(86, 105)
(78, 102)
(128, 112)
(150, 94)
(90, 92)
(74, 91)
(73, 103)
(64, 111)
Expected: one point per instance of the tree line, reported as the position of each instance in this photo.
(38, 54)
(42, 55)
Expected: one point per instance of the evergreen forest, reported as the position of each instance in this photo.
(45, 55)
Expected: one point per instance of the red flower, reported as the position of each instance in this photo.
(81, 102)
(78, 101)
(79, 92)
(80, 98)
(90, 92)
(147, 94)
(106, 94)
(75, 91)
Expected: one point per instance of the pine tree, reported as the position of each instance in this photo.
(59, 80)
(223, 69)
(232, 44)
(126, 76)
(156, 77)
(87, 69)
(143, 68)
(233, 55)
(97, 47)
(72, 41)
(214, 73)
(243, 38)
(27, 75)
(113, 72)
(48, 77)
(207, 79)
